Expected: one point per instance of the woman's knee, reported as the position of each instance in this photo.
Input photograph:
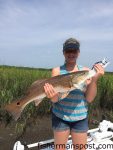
(79, 140)
(60, 139)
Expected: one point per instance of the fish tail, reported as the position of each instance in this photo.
(14, 109)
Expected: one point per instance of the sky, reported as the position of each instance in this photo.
(32, 32)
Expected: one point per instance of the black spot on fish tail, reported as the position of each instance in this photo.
(18, 103)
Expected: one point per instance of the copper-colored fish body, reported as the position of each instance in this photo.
(61, 83)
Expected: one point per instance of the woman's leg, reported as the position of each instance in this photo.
(79, 134)
(61, 131)
(60, 139)
(79, 140)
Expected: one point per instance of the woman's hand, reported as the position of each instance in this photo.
(99, 71)
(50, 92)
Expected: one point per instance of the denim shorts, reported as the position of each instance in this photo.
(59, 124)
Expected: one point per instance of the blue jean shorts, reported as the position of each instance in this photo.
(59, 124)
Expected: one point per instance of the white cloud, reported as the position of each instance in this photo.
(27, 24)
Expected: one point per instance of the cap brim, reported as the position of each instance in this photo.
(70, 47)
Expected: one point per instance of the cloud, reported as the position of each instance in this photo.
(40, 25)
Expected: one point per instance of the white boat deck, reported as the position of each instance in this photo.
(97, 139)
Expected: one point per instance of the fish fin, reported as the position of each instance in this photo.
(34, 84)
(81, 87)
(76, 86)
(37, 101)
(37, 82)
(14, 109)
(64, 94)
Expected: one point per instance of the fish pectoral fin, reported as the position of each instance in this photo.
(81, 87)
(64, 94)
(37, 102)
(76, 86)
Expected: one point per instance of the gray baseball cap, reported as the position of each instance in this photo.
(71, 44)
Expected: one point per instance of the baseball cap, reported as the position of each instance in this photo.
(71, 44)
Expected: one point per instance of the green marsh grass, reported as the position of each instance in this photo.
(14, 82)
(103, 103)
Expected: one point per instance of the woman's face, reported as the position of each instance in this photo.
(71, 55)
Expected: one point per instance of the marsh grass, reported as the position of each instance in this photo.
(102, 106)
(14, 82)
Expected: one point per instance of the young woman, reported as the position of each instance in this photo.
(69, 114)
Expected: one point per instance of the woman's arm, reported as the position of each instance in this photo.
(91, 91)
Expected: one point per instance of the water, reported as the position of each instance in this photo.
(42, 130)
